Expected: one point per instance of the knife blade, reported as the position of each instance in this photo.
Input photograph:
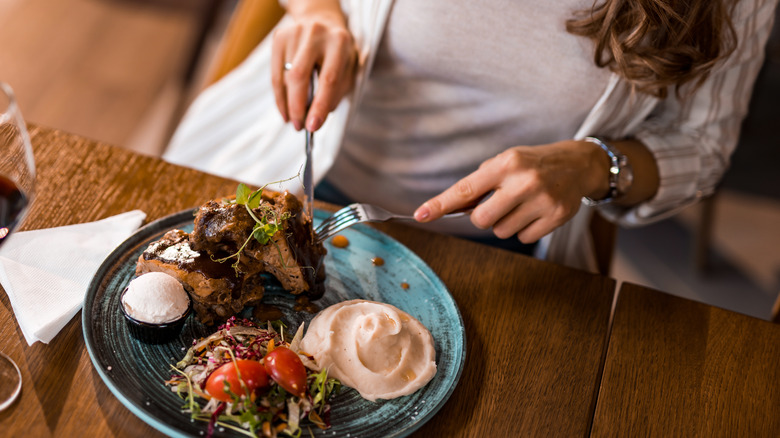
(308, 177)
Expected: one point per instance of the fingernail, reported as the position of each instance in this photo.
(314, 123)
(297, 125)
(422, 214)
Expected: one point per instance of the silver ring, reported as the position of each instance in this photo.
(287, 66)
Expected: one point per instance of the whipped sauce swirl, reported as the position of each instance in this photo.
(375, 348)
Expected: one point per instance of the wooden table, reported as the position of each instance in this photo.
(681, 368)
(536, 332)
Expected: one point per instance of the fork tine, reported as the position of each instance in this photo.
(346, 219)
(332, 218)
(346, 215)
(336, 229)
(345, 212)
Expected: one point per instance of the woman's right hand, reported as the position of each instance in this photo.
(317, 38)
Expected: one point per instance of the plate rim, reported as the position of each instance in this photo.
(170, 221)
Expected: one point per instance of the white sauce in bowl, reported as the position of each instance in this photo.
(155, 298)
(376, 348)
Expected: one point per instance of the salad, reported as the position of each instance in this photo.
(251, 380)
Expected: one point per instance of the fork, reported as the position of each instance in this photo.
(356, 213)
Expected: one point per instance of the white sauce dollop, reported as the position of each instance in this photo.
(155, 298)
(376, 348)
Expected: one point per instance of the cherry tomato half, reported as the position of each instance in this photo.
(286, 368)
(252, 373)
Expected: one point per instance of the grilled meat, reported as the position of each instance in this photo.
(222, 229)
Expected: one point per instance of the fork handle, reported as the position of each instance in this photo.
(457, 213)
(464, 211)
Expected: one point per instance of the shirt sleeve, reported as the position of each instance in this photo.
(693, 137)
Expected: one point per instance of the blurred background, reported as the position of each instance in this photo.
(123, 72)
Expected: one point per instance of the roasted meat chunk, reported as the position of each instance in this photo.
(217, 291)
(291, 256)
(225, 268)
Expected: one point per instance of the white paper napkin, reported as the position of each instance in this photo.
(46, 272)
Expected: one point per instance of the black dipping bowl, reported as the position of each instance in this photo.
(151, 333)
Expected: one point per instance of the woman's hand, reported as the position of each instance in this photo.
(534, 189)
(317, 38)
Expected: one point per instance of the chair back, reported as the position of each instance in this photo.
(250, 23)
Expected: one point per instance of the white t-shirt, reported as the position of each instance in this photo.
(455, 83)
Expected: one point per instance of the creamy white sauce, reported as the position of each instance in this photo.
(155, 298)
(376, 348)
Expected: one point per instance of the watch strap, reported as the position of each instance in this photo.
(616, 162)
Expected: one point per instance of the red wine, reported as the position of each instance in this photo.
(12, 204)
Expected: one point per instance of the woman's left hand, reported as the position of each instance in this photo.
(535, 189)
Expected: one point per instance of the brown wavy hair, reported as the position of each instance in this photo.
(658, 44)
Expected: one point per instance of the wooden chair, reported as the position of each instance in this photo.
(249, 24)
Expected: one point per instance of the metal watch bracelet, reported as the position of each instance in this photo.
(619, 167)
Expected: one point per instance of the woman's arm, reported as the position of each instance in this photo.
(537, 189)
(645, 171)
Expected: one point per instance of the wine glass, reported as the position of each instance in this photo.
(17, 188)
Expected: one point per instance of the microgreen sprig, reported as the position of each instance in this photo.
(266, 225)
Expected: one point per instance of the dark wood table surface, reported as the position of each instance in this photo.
(536, 332)
(676, 367)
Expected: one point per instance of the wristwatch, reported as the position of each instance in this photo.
(621, 176)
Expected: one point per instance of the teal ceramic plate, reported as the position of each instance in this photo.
(135, 372)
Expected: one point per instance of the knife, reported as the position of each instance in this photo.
(308, 178)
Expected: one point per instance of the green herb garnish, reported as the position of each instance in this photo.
(267, 223)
